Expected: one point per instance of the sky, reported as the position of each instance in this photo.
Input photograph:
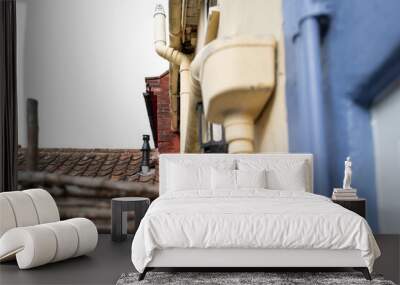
(85, 62)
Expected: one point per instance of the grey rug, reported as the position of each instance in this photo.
(269, 278)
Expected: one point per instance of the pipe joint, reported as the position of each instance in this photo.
(159, 10)
(239, 132)
(306, 9)
(187, 101)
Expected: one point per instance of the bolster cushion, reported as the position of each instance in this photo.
(40, 244)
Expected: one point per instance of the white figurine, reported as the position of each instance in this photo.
(347, 173)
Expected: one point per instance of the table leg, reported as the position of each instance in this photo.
(117, 222)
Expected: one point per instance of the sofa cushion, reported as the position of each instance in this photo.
(23, 208)
(45, 205)
(26, 208)
(41, 244)
(7, 220)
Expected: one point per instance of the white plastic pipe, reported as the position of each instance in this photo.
(160, 41)
(211, 34)
(187, 102)
(239, 132)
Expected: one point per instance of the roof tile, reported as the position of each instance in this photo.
(116, 164)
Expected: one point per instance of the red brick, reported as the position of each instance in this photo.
(167, 140)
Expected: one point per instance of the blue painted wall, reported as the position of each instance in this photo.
(360, 58)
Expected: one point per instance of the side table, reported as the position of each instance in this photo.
(358, 205)
(119, 217)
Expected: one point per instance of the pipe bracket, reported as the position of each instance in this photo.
(301, 10)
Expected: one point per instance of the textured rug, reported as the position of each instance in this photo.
(243, 278)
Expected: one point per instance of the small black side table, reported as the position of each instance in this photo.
(119, 217)
(358, 205)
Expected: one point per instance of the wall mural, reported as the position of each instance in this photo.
(305, 88)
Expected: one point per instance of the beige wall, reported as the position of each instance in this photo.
(260, 17)
(271, 128)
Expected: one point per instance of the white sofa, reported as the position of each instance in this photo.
(31, 230)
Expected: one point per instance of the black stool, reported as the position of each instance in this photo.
(119, 217)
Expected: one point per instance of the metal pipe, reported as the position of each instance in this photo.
(310, 43)
(148, 99)
(145, 164)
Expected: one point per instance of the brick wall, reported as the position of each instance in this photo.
(168, 140)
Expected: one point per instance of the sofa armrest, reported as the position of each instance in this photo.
(40, 244)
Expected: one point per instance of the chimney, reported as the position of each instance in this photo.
(145, 164)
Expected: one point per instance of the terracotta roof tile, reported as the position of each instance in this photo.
(147, 178)
(133, 177)
(116, 164)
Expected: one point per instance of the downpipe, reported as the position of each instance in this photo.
(313, 88)
(187, 99)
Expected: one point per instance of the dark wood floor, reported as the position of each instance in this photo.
(389, 262)
(103, 266)
(110, 260)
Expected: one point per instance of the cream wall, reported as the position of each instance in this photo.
(271, 128)
(259, 17)
(85, 61)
